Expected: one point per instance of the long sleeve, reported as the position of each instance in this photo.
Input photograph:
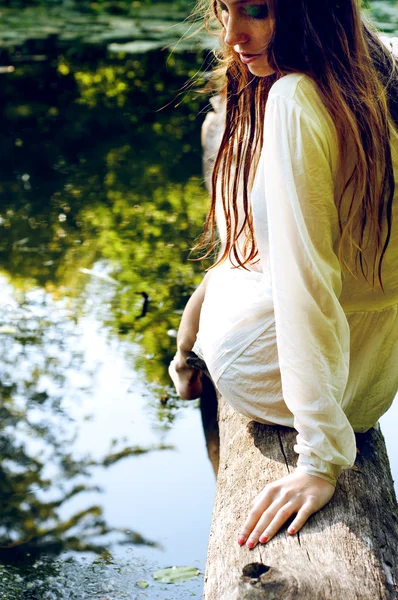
(313, 336)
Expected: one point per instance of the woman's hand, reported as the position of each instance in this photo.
(298, 493)
(187, 379)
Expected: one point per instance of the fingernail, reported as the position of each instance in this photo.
(291, 530)
(250, 544)
(264, 539)
(241, 540)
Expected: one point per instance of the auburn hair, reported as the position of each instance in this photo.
(356, 75)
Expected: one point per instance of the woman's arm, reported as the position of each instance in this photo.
(187, 380)
(313, 335)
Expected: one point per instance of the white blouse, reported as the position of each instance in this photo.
(337, 339)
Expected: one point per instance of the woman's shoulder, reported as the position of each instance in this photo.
(296, 86)
(301, 92)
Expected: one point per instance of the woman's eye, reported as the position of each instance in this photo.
(257, 11)
(254, 11)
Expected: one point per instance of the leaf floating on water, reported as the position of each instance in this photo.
(137, 47)
(24, 240)
(99, 275)
(175, 574)
(142, 584)
(8, 329)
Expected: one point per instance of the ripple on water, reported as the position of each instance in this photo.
(100, 579)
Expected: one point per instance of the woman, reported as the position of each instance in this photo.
(298, 319)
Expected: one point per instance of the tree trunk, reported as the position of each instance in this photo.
(347, 550)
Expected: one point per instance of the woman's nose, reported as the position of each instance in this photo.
(234, 33)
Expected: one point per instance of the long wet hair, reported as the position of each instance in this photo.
(357, 79)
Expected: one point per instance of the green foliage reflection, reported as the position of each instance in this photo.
(101, 167)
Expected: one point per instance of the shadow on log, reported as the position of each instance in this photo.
(208, 409)
(347, 550)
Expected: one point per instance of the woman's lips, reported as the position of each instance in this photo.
(248, 58)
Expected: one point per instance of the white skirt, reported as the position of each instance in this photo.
(237, 341)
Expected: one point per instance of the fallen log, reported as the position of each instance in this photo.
(348, 550)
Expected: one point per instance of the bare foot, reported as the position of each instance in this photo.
(187, 380)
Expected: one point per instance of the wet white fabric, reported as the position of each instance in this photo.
(300, 343)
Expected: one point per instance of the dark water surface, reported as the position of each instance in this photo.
(104, 473)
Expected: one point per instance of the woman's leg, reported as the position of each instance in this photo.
(252, 383)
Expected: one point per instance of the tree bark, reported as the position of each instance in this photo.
(347, 550)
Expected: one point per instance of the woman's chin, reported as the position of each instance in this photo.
(260, 70)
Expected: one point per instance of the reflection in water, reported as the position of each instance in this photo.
(100, 167)
(40, 358)
(101, 579)
(96, 180)
(45, 373)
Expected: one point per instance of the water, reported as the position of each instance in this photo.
(105, 477)
(100, 459)
(139, 480)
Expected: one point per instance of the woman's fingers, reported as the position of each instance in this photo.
(260, 504)
(302, 517)
(270, 522)
(295, 493)
(187, 380)
(262, 511)
(280, 518)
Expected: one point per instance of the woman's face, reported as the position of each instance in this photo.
(248, 29)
